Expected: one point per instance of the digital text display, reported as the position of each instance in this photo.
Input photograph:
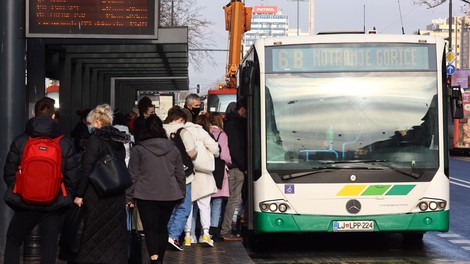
(347, 57)
(91, 18)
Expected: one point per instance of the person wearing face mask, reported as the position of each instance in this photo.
(146, 108)
(193, 104)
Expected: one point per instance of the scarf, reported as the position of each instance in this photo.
(110, 133)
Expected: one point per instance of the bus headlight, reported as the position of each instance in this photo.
(442, 205)
(273, 207)
(423, 206)
(433, 206)
(430, 204)
(277, 206)
(264, 207)
(282, 207)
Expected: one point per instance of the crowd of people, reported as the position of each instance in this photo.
(178, 204)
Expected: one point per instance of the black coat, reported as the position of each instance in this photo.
(139, 126)
(104, 238)
(45, 127)
(235, 128)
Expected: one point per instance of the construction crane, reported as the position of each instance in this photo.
(237, 22)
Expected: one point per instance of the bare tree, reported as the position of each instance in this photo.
(188, 13)
(434, 3)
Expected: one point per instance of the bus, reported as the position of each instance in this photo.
(347, 133)
(218, 100)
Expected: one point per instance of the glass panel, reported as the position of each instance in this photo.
(219, 102)
(356, 116)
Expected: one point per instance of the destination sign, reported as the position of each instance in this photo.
(346, 57)
(91, 18)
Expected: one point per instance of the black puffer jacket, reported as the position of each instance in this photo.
(104, 237)
(41, 127)
(235, 128)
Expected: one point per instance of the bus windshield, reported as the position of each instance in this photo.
(219, 102)
(318, 119)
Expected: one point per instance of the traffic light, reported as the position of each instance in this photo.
(449, 80)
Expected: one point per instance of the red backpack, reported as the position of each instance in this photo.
(39, 176)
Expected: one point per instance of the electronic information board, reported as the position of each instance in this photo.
(92, 18)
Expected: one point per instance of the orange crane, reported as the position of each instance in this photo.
(237, 22)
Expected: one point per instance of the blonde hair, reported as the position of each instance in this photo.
(103, 113)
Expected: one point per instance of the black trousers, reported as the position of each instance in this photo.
(155, 216)
(22, 223)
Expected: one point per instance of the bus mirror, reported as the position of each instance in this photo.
(456, 105)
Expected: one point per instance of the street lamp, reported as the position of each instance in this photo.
(451, 20)
(298, 1)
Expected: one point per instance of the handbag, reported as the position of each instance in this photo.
(204, 161)
(110, 175)
(219, 171)
(72, 229)
(134, 255)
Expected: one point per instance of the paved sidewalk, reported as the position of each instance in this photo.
(227, 252)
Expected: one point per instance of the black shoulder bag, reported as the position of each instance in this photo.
(219, 171)
(110, 175)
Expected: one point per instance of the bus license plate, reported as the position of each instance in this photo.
(352, 226)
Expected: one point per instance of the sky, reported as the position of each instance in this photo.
(338, 15)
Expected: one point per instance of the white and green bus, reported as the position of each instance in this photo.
(347, 133)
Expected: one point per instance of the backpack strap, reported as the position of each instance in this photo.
(62, 185)
(57, 139)
(108, 147)
(179, 131)
(217, 139)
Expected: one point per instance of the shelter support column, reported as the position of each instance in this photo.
(13, 105)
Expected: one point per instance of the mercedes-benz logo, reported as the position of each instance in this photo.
(353, 206)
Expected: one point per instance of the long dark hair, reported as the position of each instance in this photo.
(153, 128)
(203, 121)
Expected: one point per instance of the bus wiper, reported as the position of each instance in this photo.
(326, 169)
(305, 173)
(350, 161)
(411, 174)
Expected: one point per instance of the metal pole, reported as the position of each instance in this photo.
(172, 11)
(12, 88)
(298, 1)
(450, 25)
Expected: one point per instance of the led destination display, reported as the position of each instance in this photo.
(346, 57)
(91, 18)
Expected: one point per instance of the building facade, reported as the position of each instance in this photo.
(460, 37)
(266, 21)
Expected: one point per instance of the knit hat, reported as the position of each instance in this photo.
(135, 110)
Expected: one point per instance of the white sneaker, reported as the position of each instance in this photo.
(193, 239)
(175, 243)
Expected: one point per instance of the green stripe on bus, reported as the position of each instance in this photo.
(400, 190)
(280, 223)
(376, 190)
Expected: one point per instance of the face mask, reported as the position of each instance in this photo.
(90, 129)
(196, 111)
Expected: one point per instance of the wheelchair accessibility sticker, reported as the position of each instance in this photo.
(289, 189)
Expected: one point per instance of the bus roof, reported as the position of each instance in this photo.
(349, 38)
